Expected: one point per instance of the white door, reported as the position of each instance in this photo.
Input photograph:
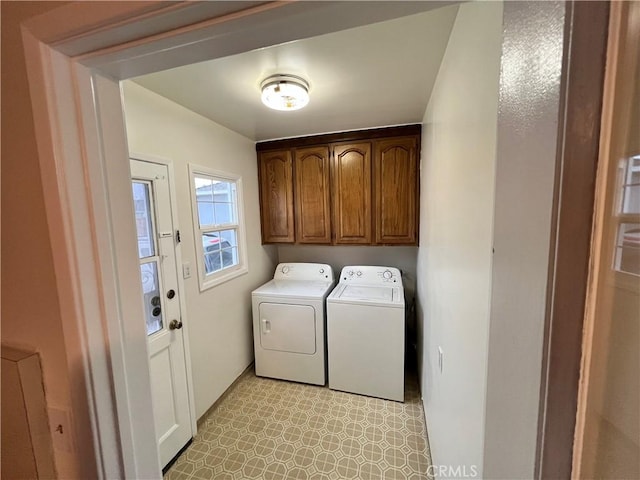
(159, 274)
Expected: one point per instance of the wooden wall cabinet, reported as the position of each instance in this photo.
(313, 214)
(352, 188)
(276, 196)
(395, 178)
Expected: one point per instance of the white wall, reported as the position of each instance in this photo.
(219, 319)
(456, 218)
(530, 96)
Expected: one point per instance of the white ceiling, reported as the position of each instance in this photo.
(375, 75)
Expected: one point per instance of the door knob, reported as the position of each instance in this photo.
(175, 325)
(170, 294)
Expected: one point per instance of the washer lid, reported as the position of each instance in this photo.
(368, 294)
(294, 288)
(361, 292)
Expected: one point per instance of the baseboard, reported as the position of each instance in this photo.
(204, 416)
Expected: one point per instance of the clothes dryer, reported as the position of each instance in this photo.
(289, 323)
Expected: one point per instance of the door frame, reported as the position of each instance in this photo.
(618, 83)
(75, 56)
(181, 288)
(569, 259)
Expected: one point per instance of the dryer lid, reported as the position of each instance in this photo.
(294, 289)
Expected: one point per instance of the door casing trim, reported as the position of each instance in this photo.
(83, 156)
(569, 257)
(84, 167)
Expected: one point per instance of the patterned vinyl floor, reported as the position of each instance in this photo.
(271, 429)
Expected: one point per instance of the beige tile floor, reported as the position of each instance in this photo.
(271, 429)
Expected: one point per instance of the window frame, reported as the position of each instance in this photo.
(205, 280)
(618, 277)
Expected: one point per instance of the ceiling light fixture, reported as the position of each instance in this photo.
(285, 92)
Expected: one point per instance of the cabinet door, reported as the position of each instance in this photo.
(351, 192)
(313, 223)
(276, 196)
(396, 190)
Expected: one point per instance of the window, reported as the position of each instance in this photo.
(627, 243)
(218, 225)
(630, 197)
(147, 253)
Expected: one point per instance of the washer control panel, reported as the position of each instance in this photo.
(304, 271)
(371, 275)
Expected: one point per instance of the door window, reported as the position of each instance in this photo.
(145, 226)
(627, 244)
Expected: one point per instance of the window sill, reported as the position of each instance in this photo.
(222, 277)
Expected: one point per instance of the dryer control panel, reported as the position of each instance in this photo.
(371, 275)
(304, 271)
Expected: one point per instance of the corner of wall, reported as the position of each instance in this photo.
(456, 219)
(531, 72)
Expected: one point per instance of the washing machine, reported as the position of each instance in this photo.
(365, 332)
(289, 323)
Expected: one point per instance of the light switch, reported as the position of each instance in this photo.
(186, 270)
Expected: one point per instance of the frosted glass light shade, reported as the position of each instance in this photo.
(285, 92)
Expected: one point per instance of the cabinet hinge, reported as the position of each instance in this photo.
(178, 236)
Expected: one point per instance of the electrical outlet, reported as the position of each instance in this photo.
(60, 424)
(440, 359)
(186, 270)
